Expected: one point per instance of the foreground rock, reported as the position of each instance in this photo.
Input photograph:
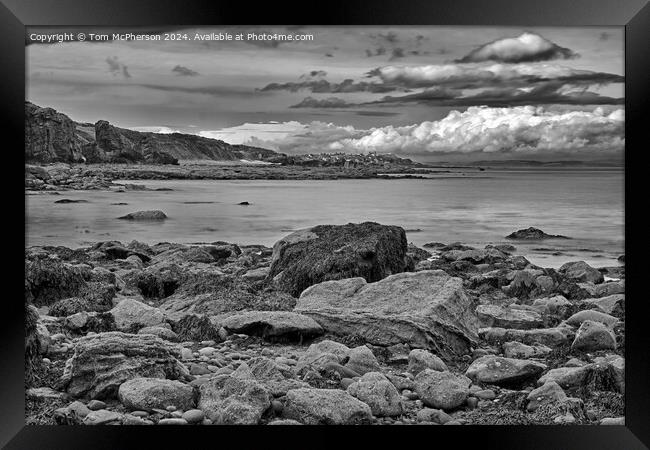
(442, 390)
(332, 252)
(376, 391)
(273, 325)
(325, 407)
(581, 271)
(427, 309)
(145, 215)
(592, 336)
(131, 315)
(102, 362)
(149, 393)
(229, 400)
(492, 369)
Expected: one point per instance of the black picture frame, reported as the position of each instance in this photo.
(634, 15)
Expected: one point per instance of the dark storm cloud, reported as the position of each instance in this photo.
(184, 71)
(116, 68)
(527, 47)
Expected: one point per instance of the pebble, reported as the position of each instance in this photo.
(194, 416)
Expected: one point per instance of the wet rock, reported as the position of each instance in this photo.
(150, 393)
(581, 271)
(273, 325)
(376, 391)
(102, 362)
(227, 400)
(503, 371)
(330, 252)
(442, 390)
(145, 215)
(592, 336)
(419, 359)
(325, 407)
(427, 309)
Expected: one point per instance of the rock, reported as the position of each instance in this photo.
(258, 274)
(95, 405)
(515, 349)
(610, 288)
(150, 393)
(612, 421)
(533, 234)
(51, 136)
(228, 400)
(398, 353)
(325, 407)
(581, 271)
(612, 304)
(551, 337)
(145, 215)
(320, 354)
(102, 362)
(548, 392)
(592, 336)
(427, 309)
(45, 393)
(161, 332)
(284, 422)
(376, 391)
(433, 415)
(362, 360)
(193, 416)
(613, 369)
(331, 252)
(485, 394)
(419, 359)
(275, 378)
(566, 377)
(595, 316)
(273, 325)
(442, 390)
(73, 414)
(131, 315)
(503, 371)
(192, 327)
(172, 421)
(47, 280)
(102, 417)
(557, 305)
(508, 317)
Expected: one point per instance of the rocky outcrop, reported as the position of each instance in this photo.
(332, 252)
(51, 136)
(533, 234)
(102, 362)
(427, 309)
(145, 215)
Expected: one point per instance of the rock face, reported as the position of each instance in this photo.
(492, 369)
(147, 393)
(427, 309)
(376, 391)
(332, 252)
(325, 407)
(52, 136)
(581, 271)
(145, 215)
(102, 362)
(273, 325)
(533, 234)
(442, 390)
(229, 400)
(131, 315)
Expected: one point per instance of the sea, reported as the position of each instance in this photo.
(477, 208)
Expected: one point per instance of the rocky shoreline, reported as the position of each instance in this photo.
(345, 324)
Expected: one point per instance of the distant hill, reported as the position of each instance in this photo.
(51, 136)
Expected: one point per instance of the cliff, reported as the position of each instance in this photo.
(51, 136)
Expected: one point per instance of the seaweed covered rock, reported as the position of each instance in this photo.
(332, 252)
(49, 279)
(533, 234)
(32, 345)
(102, 362)
(426, 309)
(195, 327)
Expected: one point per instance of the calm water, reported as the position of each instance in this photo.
(585, 205)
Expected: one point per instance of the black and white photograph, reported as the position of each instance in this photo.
(325, 225)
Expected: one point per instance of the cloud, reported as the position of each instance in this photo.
(184, 71)
(116, 68)
(604, 36)
(331, 102)
(397, 53)
(322, 86)
(155, 129)
(527, 47)
(518, 130)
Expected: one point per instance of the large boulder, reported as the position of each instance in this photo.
(325, 407)
(427, 309)
(593, 336)
(376, 391)
(273, 325)
(581, 271)
(497, 370)
(332, 252)
(228, 400)
(102, 362)
(131, 315)
(442, 390)
(148, 393)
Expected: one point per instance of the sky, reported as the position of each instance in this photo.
(428, 93)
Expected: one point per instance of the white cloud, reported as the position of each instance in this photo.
(155, 129)
(523, 48)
